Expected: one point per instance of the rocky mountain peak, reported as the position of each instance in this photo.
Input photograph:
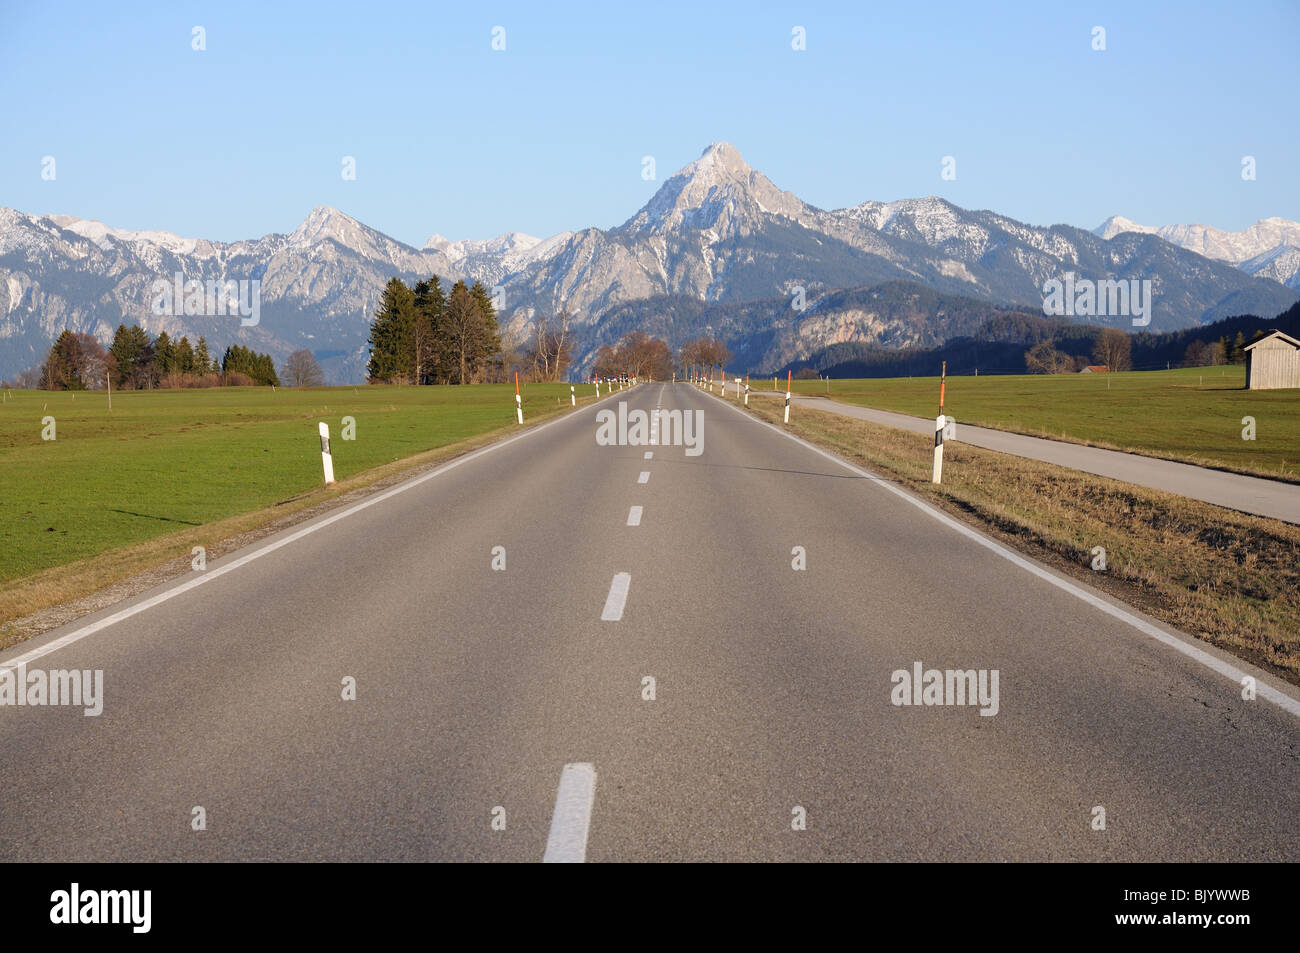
(719, 190)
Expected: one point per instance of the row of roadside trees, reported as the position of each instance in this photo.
(636, 354)
(702, 355)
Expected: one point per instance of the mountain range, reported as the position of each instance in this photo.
(718, 248)
(1269, 249)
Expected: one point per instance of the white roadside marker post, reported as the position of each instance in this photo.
(936, 475)
(327, 459)
(788, 375)
(519, 401)
(573, 396)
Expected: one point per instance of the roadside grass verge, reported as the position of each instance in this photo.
(1193, 415)
(115, 497)
(1228, 578)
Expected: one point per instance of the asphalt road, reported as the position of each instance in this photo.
(1271, 498)
(476, 687)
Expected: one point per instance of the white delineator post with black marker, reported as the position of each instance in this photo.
(519, 401)
(746, 390)
(936, 475)
(573, 396)
(327, 459)
(788, 377)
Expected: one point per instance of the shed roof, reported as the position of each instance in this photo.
(1275, 334)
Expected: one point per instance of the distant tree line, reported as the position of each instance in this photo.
(423, 335)
(135, 361)
(702, 355)
(1114, 349)
(636, 354)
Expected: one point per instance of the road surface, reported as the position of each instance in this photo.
(773, 694)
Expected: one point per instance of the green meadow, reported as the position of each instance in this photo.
(168, 460)
(1190, 414)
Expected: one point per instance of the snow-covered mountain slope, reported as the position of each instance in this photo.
(490, 260)
(1259, 250)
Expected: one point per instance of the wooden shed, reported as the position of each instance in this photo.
(1273, 362)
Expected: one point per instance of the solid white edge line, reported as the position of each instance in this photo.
(644, 477)
(634, 516)
(571, 820)
(617, 598)
(207, 576)
(1215, 664)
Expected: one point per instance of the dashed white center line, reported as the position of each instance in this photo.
(644, 477)
(617, 597)
(571, 820)
(649, 454)
(634, 516)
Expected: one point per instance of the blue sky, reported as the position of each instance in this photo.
(450, 136)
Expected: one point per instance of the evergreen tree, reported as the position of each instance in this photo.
(489, 335)
(143, 375)
(392, 335)
(127, 353)
(184, 357)
(259, 367)
(58, 372)
(164, 356)
(430, 305)
(202, 360)
(469, 335)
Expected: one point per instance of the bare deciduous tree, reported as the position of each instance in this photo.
(1113, 348)
(301, 370)
(552, 347)
(1044, 358)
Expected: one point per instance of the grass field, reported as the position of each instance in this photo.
(1190, 414)
(164, 461)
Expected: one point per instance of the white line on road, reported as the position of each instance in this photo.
(644, 477)
(218, 571)
(1215, 664)
(649, 454)
(571, 821)
(634, 516)
(617, 597)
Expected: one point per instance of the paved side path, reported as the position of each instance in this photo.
(1235, 491)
